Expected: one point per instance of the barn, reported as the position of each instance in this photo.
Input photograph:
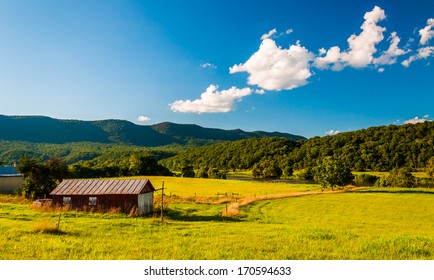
(124, 195)
(10, 179)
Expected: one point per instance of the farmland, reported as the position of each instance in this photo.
(366, 223)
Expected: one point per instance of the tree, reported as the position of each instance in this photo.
(266, 169)
(41, 178)
(214, 173)
(399, 178)
(202, 172)
(430, 167)
(332, 173)
(403, 178)
(188, 171)
(288, 171)
(305, 174)
(146, 165)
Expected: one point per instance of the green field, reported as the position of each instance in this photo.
(363, 224)
(210, 187)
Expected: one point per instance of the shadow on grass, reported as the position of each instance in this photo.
(185, 216)
(400, 191)
(51, 232)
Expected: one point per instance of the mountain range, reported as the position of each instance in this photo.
(42, 129)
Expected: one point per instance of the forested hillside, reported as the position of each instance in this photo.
(242, 154)
(70, 153)
(39, 129)
(374, 149)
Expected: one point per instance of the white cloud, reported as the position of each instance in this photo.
(208, 65)
(332, 132)
(390, 56)
(422, 53)
(269, 34)
(143, 119)
(322, 51)
(212, 101)
(259, 91)
(272, 34)
(274, 68)
(380, 70)
(427, 32)
(332, 57)
(417, 120)
(361, 48)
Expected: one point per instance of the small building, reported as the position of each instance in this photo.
(10, 180)
(124, 195)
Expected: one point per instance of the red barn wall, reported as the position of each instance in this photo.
(124, 202)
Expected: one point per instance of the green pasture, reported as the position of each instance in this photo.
(366, 224)
(210, 187)
(418, 174)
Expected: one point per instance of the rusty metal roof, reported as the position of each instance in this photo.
(99, 187)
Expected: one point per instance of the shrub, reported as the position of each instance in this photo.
(399, 178)
(305, 174)
(366, 179)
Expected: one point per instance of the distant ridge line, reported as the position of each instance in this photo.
(42, 129)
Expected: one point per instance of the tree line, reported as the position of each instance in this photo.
(79, 152)
(383, 149)
(264, 155)
(373, 149)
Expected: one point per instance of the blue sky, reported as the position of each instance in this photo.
(305, 67)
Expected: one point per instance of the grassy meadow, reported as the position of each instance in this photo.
(210, 187)
(366, 223)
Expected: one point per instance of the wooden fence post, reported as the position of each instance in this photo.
(58, 222)
(162, 202)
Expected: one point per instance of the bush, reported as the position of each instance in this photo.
(399, 178)
(214, 173)
(366, 179)
(305, 174)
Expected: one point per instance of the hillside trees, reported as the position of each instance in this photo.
(373, 149)
(73, 153)
(187, 171)
(133, 165)
(430, 167)
(236, 155)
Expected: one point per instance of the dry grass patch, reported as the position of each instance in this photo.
(13, 198)
(46, 226)
(231, 210)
